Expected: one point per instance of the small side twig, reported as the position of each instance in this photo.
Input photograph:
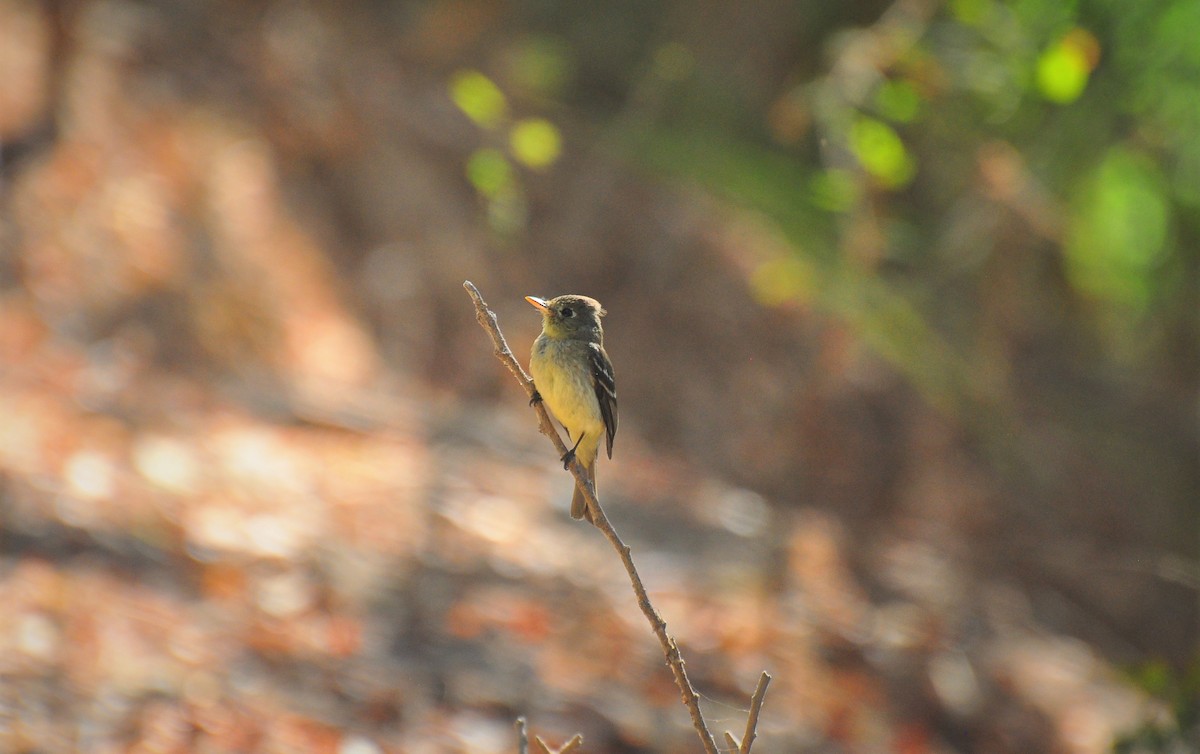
(691, 700)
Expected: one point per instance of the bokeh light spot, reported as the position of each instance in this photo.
(881, 152)
(781, 280)
(489, 171)
(898, 101)
(535, 142)
(479, 98)
(1119, 229)
(834, 190)
(1064, 69)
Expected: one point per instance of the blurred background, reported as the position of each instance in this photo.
(903, 307)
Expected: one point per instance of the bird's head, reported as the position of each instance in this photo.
(569, 316)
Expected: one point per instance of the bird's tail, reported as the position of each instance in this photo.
(579, 508)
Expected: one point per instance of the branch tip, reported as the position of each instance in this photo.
(522, 737)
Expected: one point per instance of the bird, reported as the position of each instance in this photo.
(573, 375)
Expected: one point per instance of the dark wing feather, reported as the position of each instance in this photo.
(606, 391)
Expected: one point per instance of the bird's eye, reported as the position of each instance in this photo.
(568, 312)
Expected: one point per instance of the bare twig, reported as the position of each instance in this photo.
(756, 701)
(731, 742)
(487, 320)
(542, 748)
(522, 737)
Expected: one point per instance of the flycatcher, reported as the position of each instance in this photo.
(573, 375)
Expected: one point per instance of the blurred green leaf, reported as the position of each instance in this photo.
(1119, 229)
(971, 12)
(478, 97)
(881, 152)
(1154, 677)
(834, 190)
(778, 281)
(489, 172)
(540, 65)
(1178, 732)
(535, 142)
(1063, 69)
(898, 101)
(507, 210)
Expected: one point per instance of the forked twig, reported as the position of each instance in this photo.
(542, 747)
(487, 320)
(575, 742)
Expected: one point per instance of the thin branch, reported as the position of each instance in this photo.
(731, 742)
(756, 702)
(487, 320)
(541, 746)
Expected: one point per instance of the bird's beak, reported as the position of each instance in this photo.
(538, 303)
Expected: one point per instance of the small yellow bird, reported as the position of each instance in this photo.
(572, 374)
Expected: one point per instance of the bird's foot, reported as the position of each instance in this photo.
(570, 454)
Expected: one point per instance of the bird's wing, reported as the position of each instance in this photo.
(606, 391)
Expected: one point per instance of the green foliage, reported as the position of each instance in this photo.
(1091, 108)
(1158, 63)
(535, 142)
(747, 174)
(1094, 102)
(479, 98)
(540, 65)
(1119, 231)
(835, 190)
(490, 172)
(898, 101)
(1063, 69)
(532, 142)
(1179, 732)
(881, 152)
